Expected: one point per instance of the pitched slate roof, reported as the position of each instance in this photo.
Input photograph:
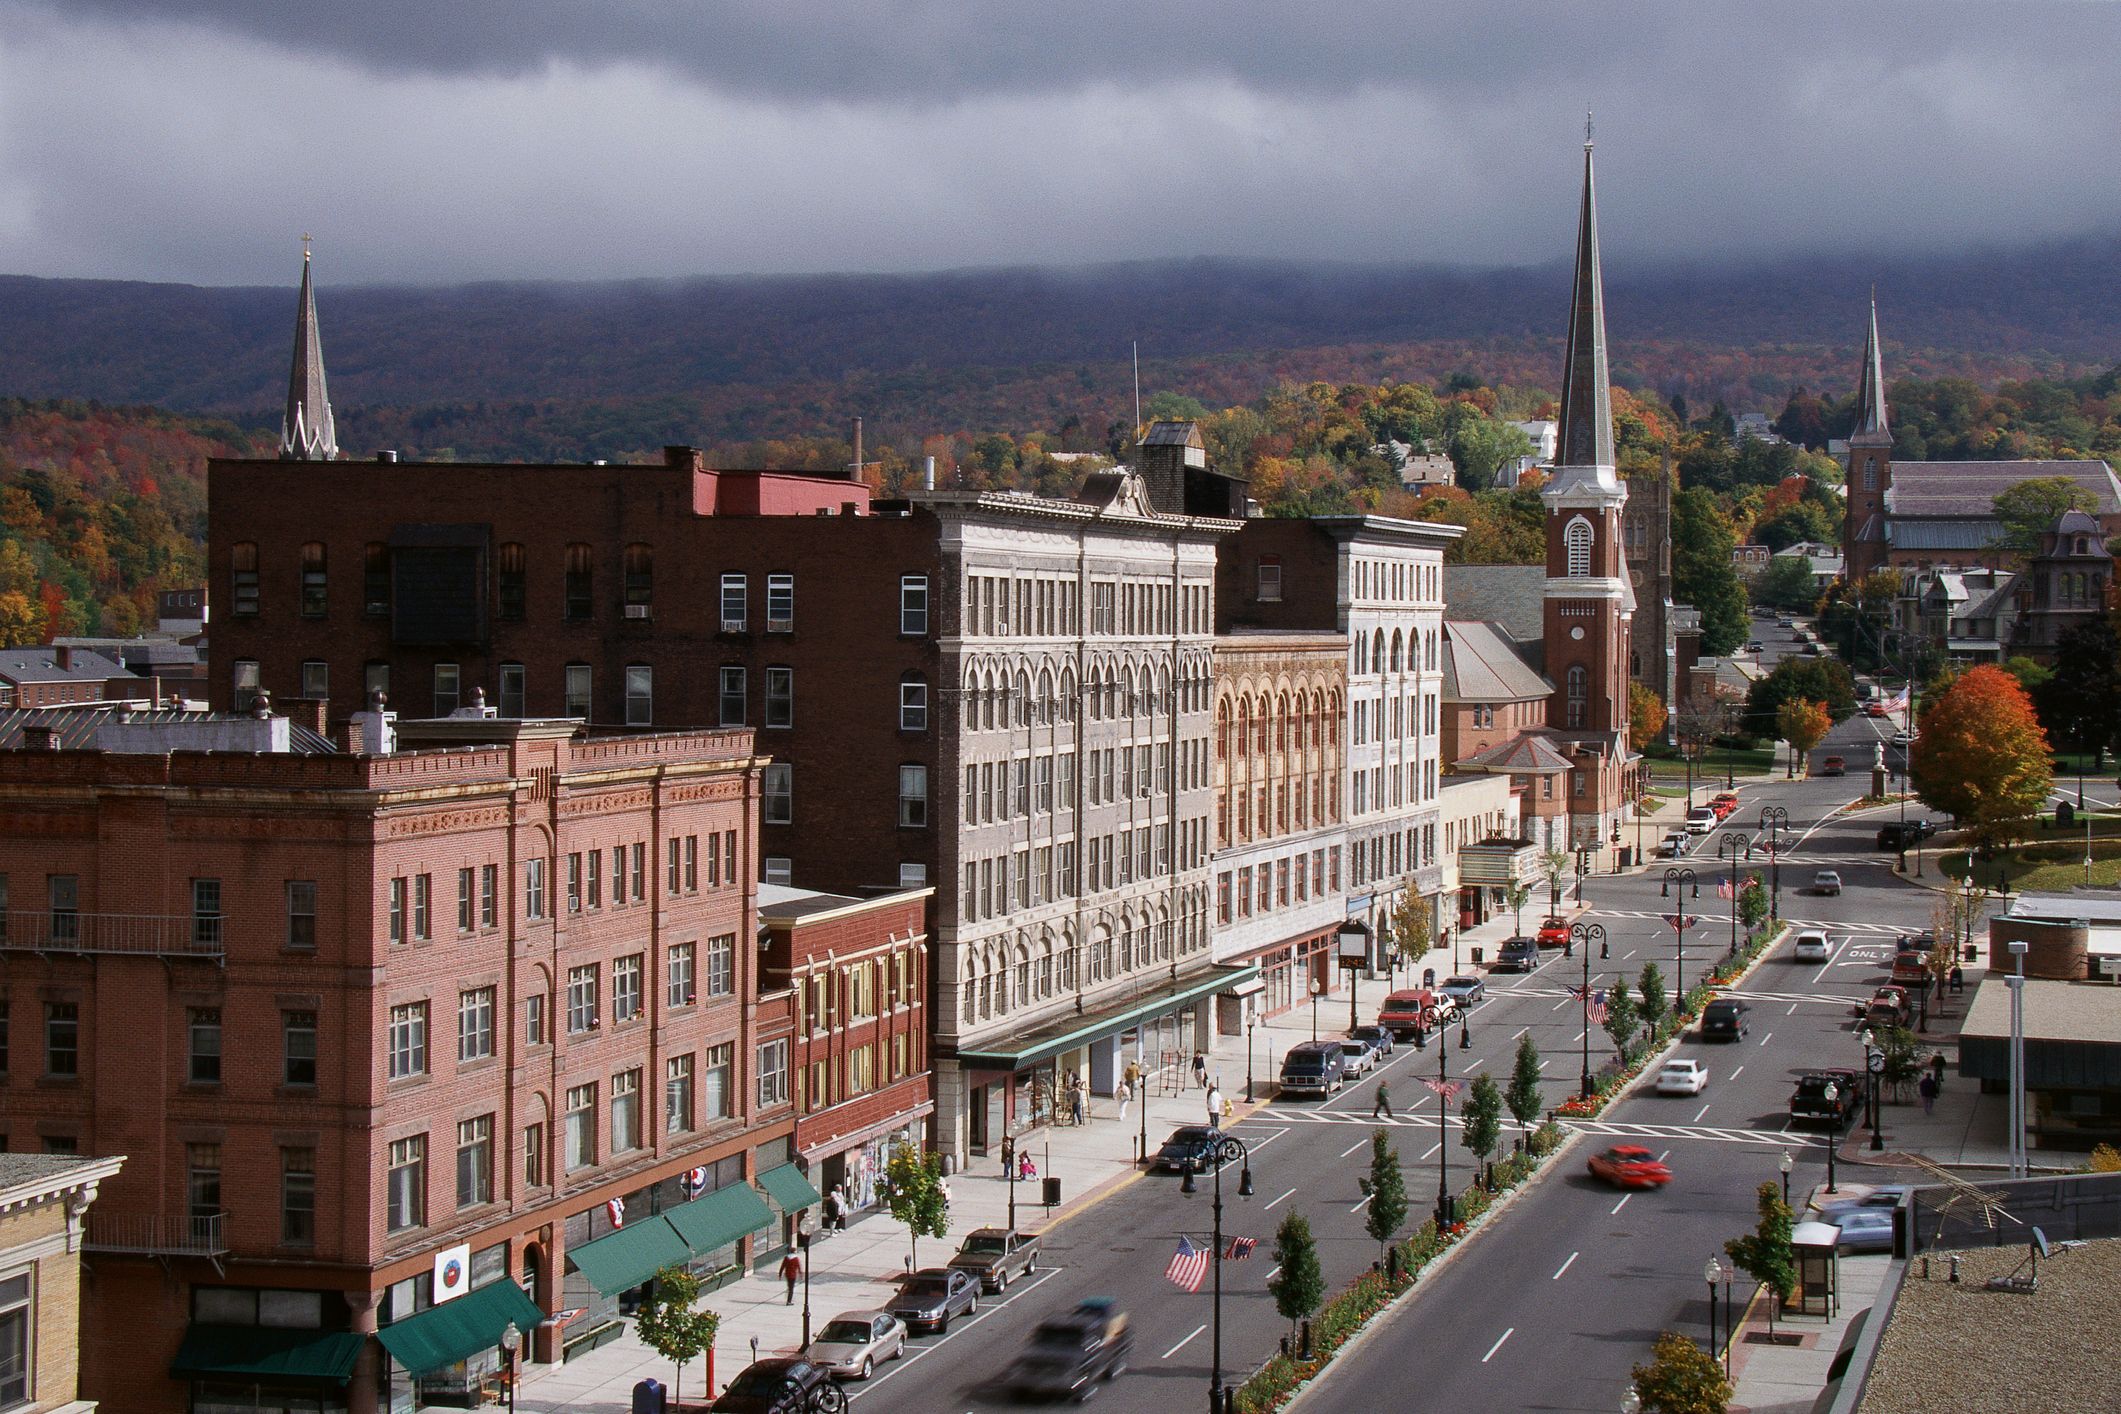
(42, 665)
(1172, 434)
(1967, 490)
(1585, 437)
(1954, 534)
(1528, 753)
(1481, 664)
(1512, 597)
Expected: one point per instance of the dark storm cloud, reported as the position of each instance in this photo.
(446, 139)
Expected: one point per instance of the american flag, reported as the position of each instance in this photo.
(1189, 1266)
(1681, 920)
(1598, 1011)
(1723, 888)
(1447, 1088)
(616, 1207)
(1239, 1248)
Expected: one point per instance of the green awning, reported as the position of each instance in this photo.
(711, 1223)
(1028, 1048)
(631, 1255)
(268, 1353)
(454, 1330)
(787, 1186)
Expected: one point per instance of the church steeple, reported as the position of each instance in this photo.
(1870, 389)
(1586, 433)
(307, 433)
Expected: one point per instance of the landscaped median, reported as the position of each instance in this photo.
(1341, 1318)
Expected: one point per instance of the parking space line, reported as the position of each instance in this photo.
(1767, 1038)
(1187, 1341)
(1738, 1072)
(1566, 1265)
(1520, 1031)
(1283, 1199)
(1704, 1110)
(1432, 1150)
(1360, 1206)
(1353, 1147)
(1497, 1345)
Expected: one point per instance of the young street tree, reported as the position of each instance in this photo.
(1299, 1288)
(1651, 987)
(917, 1195)
(1620, 1020)
(1981, 756)
(1483, 1117)
(1523, 1096)
(1514, 895)
(1386, 1188)
(1766, 1255)
(668, 1324)
(1803, 723)
(1413, 925)
(1554, 864)
(1681, 1378)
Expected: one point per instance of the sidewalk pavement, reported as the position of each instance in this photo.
(857, 1269)
(1787, 1379)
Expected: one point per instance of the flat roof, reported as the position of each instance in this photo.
(2054, 1011)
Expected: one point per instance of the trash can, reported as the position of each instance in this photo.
(1428, 977)
(1050, 1189)
(1479, 956)
(649, 1397)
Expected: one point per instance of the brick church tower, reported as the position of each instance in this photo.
(1589, 603)
(1870, 473)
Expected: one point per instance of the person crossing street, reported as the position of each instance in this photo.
(1382, 1104)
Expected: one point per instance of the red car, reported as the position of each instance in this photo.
(1554, 932)
(1723, 804)
(1630, 1166)
(1874, 709)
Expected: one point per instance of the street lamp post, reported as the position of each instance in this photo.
(1773, 821)
(1832, 1095)
(1584, 934)
(802, 1240)
(1443, 1129)
(1713, 1273)
(1251, 1032)
(1683, 878)
(1226, 1149)
(1733, 843)
(1788, 1162)
(511, 1342)
(1874, 1068)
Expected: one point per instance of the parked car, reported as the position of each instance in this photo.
(1380, 1039)
(781, 1386)
(1675, 845)
(1914, 942)
(1863, 1229)
(1903, 740)
(1888, 1006)
(1553, 931)
(1834, 766)
(1875, 708)
(1415, 1009)
(930, 1297)
(1700, 820)
(1811, 648)
(1723, 803)
(1809, 1103)
(1895, 834)
(997, 1255)
(1811, 946)
(1724, 1019)
(1785, 623)
(1070, 1354)
(1755, 646)
(854, 1343)
(1827, 882)
(1313, 1068)
(1356, 1057)
(1682, 1077)
(1629, 1166)
(1464, 990)
(1190, 1149)
(1911, 969)
(1518, 955)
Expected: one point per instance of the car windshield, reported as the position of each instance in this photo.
(925, 1286)
(1461, 982)
(845, 1333)
(759, 1384)
(986, 1242)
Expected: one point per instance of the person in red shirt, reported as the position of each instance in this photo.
(791, 1272)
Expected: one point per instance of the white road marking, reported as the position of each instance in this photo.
(1283, 1199)
(1187, 1341)
(1520, 1031)
(1497, 1345)
(1432, 1151)
(1353, 1147)
(1556, 1007)
(1475, 1066)
(1704, 1110)
(1360, 1206)
(1767, 1038)
(1793, 1009)
(1738, 1072)
(1583, 1033)
(1542, 1065)
(1275, 1272)
(1566, 1265)
(1622, 1203)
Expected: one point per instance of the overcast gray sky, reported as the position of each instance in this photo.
(444, 140)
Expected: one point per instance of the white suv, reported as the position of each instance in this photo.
(1700, 820)
(1811, 947)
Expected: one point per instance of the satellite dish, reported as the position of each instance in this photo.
(2040, 1242)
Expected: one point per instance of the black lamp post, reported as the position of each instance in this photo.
(1713, 1273)
(1874, 1067)
(1318, 989)
(1251, 1031)
(1832, 1096)
(1683, 878)
(1773, 821)
(1788, 1162)
(511, 1342)
(1443, 1130)
(1353, 939)
(1226, 1148)
(802, 1240)
(1584, 933)
(1734, 843)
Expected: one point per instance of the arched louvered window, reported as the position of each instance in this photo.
(1577, 540)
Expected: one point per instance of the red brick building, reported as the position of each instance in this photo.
(381, 1031)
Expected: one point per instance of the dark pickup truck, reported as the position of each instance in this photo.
(1809, 1104)
(1071, 1354)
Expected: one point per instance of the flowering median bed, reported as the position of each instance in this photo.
(1338, 1321)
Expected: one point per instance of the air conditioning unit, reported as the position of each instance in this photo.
(639, 611)
(732, 625)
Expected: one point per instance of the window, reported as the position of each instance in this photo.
(677, 976)
(736, 603)
(204, 1029)
(512, 583)
(475, 1161)
(408, 1040)
(1270, 581)
(302, 915)
(640, 695)
(1577, 540)
(423, 906)
(375, 579)
(913, 703)
(466, 901)
(677, 1094)
(780, 697)
(626, 988)
(243, 684)
(672, 873)
(577, 691)
(448, 682)
(773, 1074)
(534, 1019)
(533, 1156)
(913, 795)
(729, 697)
(243, 579)
(581, 1126)
(206, 914)
(721, 1064)
(578, 600)
(779, 806)
(298, 1048)
(721, 965)
(625, 1111)
(596, 879)
(640, 872)
(912, 875)
(639, 585)
(313, 583)
(581, 999)
(489, 894)
(298, 1197)
(405, 1184)
(1579, 689)
(913, 604)
(62, 1040)
(375, 682)
(777, 869)
(475, 1025)
(63, 891)
(861, 1070)
(202, 1190)
(512, 693)
(780, 603)
(533, 888)
(316, 680)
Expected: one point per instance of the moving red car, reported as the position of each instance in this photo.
(1874, 709)
(1723, 803)
(1554, 932)
(1630, 1166)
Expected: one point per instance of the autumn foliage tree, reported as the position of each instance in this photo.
(1980, 754)
(1646, 715)
(1803, 723)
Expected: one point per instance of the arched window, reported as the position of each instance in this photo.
(1579, 692)
(1577, 540)
(1023, 974)
(1222, 732)
(1377, 652)
(1396, 643)
(577, 601)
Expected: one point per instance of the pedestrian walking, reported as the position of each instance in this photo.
(791, 1273)
(1200, 1070)
(1937, 1068)
(1215, 1108)
(1134, 1075)
(1079, 1103)
(1025, 1169)
(1125, 1096)
(1927, 1089)
(1382, 1105)
(1958, 979)
(836, 1210)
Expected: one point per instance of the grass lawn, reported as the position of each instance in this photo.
(1716, 763)
(2056, 864)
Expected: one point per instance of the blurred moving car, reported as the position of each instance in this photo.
(1069, 1355)
(1863, 1229)
(854, 1343)
(1874, 709)
(1811, 946)
(1629, 1166)
(930, 1297)
(996, 1255)
(1898, 834)
(1682, 1077)
(1834, 766)
(1903, 739)
(781, 1386)
(1723, 1019)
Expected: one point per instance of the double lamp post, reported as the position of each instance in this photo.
(1226, 1148)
